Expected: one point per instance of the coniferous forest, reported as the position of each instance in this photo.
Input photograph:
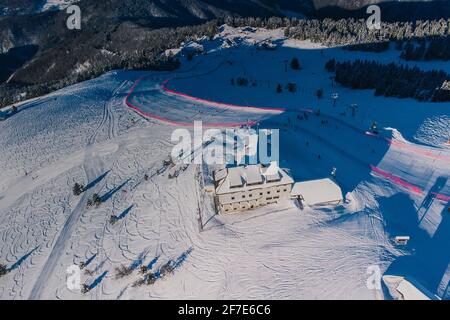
(392, 80)
(419, 40)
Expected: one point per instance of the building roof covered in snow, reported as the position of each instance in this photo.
(407, 289)
(220, 174)
(193, 47)
(267, 45)
(318, 192)
(410, 292)
(253, 174)
(236, 178)
(249, 177)
(272, 173)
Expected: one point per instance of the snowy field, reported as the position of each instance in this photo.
(113, 133)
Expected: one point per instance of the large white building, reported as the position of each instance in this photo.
(246, 187)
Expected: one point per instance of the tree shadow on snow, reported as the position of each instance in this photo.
(97, 281)
(138, 262)
(125, 213)
(22, 259)
(89, 260)
(94, 182)
(431, 196)
(110, 193)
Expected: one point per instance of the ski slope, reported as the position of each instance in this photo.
(112, 132)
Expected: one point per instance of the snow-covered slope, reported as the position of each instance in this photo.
(395, 184)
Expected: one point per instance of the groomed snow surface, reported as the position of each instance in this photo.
(395, 184)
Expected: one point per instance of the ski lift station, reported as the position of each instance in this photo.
(246, 187)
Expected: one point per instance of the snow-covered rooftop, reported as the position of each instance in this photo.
(220, 174)
(410, 292)
(249, 177)
(253, 174)
(236, 177)
(316, 192)
(272, 173)
(407, 289)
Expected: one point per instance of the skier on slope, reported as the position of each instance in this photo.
(334, 172)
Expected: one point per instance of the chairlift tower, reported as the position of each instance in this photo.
(332, 78)
(354, 107)
(334, 97)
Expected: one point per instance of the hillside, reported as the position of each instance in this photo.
(104, 44)
(113, 135)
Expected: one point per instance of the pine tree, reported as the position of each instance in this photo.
(292, 87)
(113, 219)
(295, 64)
(96, 199)
(330, 66)
(279, 88)
(319, 94)
(3, 270)
(408, 51)
(78, 189)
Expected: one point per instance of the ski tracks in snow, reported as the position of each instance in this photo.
(93, 168)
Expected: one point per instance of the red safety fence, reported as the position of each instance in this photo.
(177, 123)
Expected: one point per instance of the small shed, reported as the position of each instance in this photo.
(402, 240)
(319, 192)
